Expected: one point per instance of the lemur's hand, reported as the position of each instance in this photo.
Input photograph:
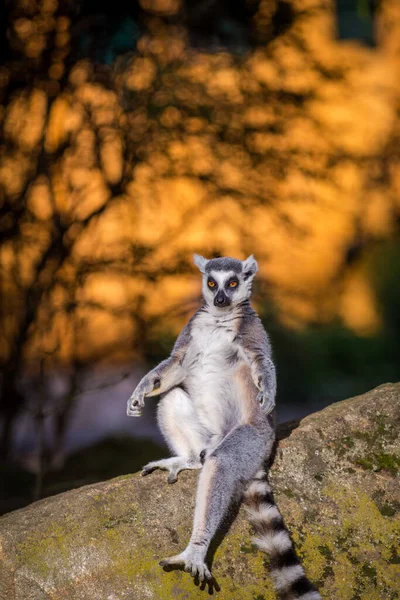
(135, 403)
(264, 398)
(150, 383)
(266, 402)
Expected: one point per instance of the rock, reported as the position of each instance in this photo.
(336, 483)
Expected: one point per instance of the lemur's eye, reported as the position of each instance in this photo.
(233, 284)
(211, 284)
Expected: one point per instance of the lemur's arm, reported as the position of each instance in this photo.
(163, 377)
(257, 348)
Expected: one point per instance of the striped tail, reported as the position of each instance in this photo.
(273, 538)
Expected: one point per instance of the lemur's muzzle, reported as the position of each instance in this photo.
(221, 299)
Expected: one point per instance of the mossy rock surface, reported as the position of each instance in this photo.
(335, 480)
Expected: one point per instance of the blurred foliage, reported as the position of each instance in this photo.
(330, 362)
(132, 136)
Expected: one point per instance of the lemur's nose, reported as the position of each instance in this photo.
(221, 299)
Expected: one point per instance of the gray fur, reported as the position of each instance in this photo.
(217, 394)
(224, 264)
(258, 348)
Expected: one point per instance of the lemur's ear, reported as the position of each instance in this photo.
(200, 262)
(250, 267)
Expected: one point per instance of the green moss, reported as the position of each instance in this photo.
(326, 551)
(385, 427)
(365, 463)
(380, 461)
(342, 541)
(288, 493)
(395, 557)
(387, 510)
(248, 549)
(113, 522)
(382, 429)
(140, 568)
(348, 441)
(327, 572)
(335, 557)
(370, 572)
(369, 437)
(124, 477)
(343, 445)
(389, 462)
(353, 559)
(37, 552)
(53, 549)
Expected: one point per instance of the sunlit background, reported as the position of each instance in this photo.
(134, 134)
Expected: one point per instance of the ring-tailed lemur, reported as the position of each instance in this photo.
(217, 414)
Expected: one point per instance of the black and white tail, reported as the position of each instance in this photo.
(274, 539)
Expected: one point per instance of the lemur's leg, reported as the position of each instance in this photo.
(182, 432)
(224, 476)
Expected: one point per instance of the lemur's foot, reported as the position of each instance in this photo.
(174, 465)
(191, 564)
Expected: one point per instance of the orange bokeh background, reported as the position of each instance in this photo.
(111, 178)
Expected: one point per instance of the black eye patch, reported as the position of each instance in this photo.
(232, 283)
(212, 284)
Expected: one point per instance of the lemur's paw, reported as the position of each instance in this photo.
(166, 464)
(172, 477)
(178, 560)
(174, 465)
(147, 470)
(266, 402)
(197, 568)
(135, 405)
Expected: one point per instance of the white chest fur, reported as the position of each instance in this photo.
(210, 362)
(213, 340)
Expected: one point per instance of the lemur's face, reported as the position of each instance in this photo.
(226, 281)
